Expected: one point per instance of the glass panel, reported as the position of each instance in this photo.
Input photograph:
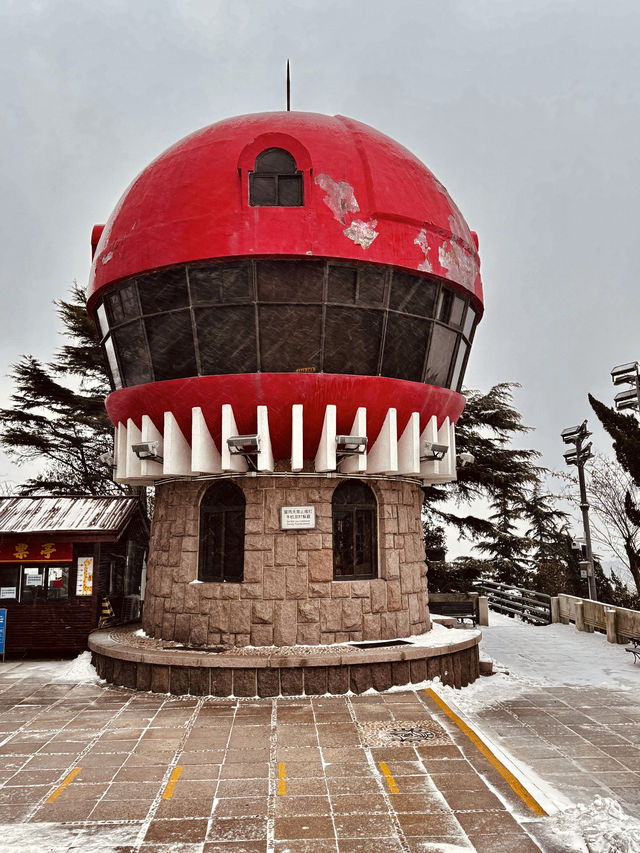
(131, 347)
(342, 284)
(352, 341)
(275, 161)
(290, 190)
(290, 337)
(103, 324)
(262, 190)
(122, 304)
(236, 286)
(404, 348)
(33, 584)
(57, 582)
(444, 306)
(371, 286)
(234, 545)
(457, 311)
(455, 378)
(443, 341)
(468, 322)
(413, 294)
(163, 291)
(342, 543)
(227, 340)
(113, 363)
(171, 345)
(9, 577)
(364, 541)
(354, 492)
(290, 281)
(211, 547)
(204, 284)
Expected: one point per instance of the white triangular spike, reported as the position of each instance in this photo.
(150, 432)
(205, 456)
(120, 453)
(133, 466)
(230, 462)
(265, 454)
(326, 455)
(409, 447)
(447, 469)
(357, 463)
(297, 448)
(430, 468)
(177, 453)
(453, 459)
(383, 456)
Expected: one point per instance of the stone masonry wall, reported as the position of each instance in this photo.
(288, 596)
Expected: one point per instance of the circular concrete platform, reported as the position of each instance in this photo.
(125, 657)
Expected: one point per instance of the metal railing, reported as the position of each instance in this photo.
(529, 605)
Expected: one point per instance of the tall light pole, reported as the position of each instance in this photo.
(627, 374)
(577, 456)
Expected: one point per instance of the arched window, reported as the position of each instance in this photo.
(355, 531)
(222, 514)
(275, 181)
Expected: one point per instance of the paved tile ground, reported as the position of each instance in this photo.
(582, 741)
(103, 768)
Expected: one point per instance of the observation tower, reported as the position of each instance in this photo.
(286, 303)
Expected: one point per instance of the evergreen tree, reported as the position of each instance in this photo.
(57, 417)
(625, 432)
(500, 474)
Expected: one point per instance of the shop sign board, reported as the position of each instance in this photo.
(21, 550)
(297, 517)
(84, 577)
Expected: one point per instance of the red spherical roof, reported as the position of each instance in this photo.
(366, 198)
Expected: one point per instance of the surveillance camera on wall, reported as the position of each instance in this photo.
(465, 459)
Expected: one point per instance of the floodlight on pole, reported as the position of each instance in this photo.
(577, 455)
(627, 374)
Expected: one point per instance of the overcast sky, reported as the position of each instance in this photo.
(528, 112)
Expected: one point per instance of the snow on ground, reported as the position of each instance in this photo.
(601, 827)
(79, 670)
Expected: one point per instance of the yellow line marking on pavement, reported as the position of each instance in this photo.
(171, 784)
(507, 775)
(282, 778)
(391, 782)
(68, 779)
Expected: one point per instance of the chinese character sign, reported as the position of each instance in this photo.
(297, 517)
(84, 581)
(14, 549)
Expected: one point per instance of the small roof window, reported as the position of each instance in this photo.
(275, 180)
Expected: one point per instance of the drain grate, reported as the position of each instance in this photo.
(409, 732)
(411, 735)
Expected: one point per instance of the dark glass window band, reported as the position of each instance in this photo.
(285, 316)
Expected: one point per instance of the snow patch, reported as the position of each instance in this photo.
(79, 671)
(600, 827)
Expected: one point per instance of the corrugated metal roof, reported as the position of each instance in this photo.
(73, 515)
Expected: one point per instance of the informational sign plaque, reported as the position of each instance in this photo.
(297, 517)
(3, 629)
(84, 579)
(7, 592)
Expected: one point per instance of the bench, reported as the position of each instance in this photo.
(634, 648)
(460, 610)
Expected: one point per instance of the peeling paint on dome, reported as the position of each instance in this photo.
(106, 258)
(423, 243)
(340, 197)
(457, 264)
(362, 233)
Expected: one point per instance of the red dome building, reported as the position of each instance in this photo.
(286, 303)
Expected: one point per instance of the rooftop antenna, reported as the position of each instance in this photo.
(288, 88)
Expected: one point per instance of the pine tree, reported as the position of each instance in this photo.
(625, 432)
(500, 474)
(57, 417)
